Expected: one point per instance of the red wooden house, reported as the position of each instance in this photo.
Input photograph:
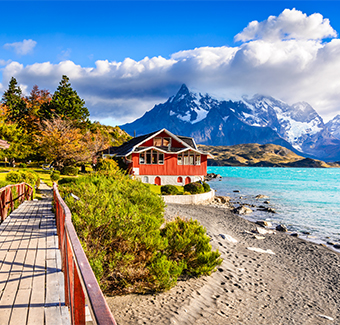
(162, 158)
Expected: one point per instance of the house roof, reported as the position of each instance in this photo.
(134, 145)
(4, 144)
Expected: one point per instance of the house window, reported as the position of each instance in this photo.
(142, 158)
(154, 157)
(179, 159)
(157, 142)
(148, 157)
(145, 179)
(198, 160)
(161, 142)
(166, 142)
(191, 158)
(179, 179)
(186, 158)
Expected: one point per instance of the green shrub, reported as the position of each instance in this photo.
(107, 165)
(22, 165)
(206, 187)
(55, 175)
(169, 190)
(66, 180)
(188, 243)
(194, 188)
(14, 177)
(118, 221)
(70, 171)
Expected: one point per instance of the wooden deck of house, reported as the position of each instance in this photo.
(31, 280)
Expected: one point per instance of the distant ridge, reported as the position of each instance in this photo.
(261, 119)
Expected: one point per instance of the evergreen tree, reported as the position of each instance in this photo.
(13, 101)
(66, 104)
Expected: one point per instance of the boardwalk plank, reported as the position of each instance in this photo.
(31, 281)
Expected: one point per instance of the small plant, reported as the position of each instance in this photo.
(206, 187)
(70, 171)
(188, 242)
(169, 190)
(55, 175)
(194, 188)
(107, 165)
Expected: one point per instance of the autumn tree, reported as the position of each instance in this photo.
(15, 105)
(63, 143)
(66, 104)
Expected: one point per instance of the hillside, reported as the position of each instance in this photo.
(257, 155)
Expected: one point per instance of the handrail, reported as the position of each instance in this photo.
(24, 192)
(80, 282)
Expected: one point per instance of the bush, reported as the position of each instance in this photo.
(118, 221)
(206, 187)
(66, 180)
(194, 188)
(22, 165)
(70, 171)
(29, 177)
(55, 175)
(107, 165)
(169, 190)
(188, 243)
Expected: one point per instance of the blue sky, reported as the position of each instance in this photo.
(90, 41)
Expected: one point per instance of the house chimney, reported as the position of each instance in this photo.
(134, 133)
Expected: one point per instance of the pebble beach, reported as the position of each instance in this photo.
(270, 278)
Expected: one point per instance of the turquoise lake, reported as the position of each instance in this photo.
(305, 199)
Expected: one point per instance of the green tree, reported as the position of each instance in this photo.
(13, 100)
(66, 104)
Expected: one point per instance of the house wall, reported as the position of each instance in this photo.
(174, 143)
(169, 180)
(170, 167)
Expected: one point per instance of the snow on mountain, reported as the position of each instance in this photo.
(293, 123)
(190, 107)
(260, 119)
(334, 126)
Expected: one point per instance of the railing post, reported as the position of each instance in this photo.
(79, 298)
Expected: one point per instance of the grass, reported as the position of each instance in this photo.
(44, 175)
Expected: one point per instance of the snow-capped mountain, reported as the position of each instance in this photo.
(260, 120)
(334, 126)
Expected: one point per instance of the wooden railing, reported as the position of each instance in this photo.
(80, 282)
(23, 192)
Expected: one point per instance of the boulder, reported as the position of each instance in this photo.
(236, 191)
(266, 202)
(242, 210)
(267, 209)
(263, 223)
(282, 228)
(261, 196)
(337, 246)
(223, 199)
(295, 235)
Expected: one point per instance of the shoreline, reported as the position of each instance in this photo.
(297, 284)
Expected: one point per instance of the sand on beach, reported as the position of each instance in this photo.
(291, 281)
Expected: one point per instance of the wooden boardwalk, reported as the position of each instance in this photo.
(31, 281)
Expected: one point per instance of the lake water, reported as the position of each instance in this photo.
(305, 199)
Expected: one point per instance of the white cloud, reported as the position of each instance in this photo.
(286, 57)
(21, 48)
(290, 24)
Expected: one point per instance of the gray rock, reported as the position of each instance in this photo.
(264, 223)
(266, 202)
(337, 246)
(242, 210)
(261, 196)
(267, 209)
(236, 191)
(295, 235)
(282, 228)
